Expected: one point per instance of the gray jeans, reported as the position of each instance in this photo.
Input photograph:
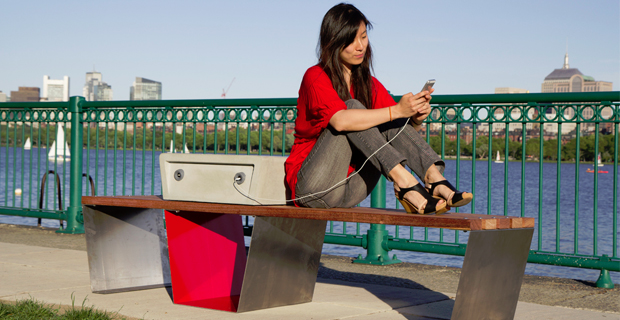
(329, 160)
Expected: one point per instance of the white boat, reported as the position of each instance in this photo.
(172, 150)
(28, 144)
(600, 163)
(59, 151)
(497, 159)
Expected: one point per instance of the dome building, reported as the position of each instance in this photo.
(569, 79)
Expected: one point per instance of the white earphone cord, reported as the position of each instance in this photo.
(331, 188)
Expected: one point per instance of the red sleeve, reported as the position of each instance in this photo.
(323, 101)
(382, 98)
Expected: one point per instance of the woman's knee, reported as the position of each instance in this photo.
(319, 199)
(354, 104)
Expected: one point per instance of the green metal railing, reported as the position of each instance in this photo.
(118, 143)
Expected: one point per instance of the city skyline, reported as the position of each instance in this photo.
(152, 90)
(469, 48)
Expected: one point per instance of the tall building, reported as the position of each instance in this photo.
(55, 90)
(95, 89)
(570, 79)
(26, 94)
(145, 89)
(2, 97)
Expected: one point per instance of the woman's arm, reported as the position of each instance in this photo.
(409, 106)
(359, 119)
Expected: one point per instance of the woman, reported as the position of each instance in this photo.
(344, 115)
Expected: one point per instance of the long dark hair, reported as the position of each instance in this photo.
(338, 30)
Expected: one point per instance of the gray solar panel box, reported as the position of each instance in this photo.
(210, 178)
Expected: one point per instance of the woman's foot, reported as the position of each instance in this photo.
(416, 199)
(439, 187)
(445, 190)
(413, 197)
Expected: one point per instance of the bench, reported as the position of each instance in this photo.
(201, 252)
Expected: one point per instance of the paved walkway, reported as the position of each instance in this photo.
(54, 275)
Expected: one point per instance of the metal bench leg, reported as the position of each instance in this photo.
(127, 248)
(283, 262)
(492, 274)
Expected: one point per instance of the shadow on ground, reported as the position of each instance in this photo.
(395, 292)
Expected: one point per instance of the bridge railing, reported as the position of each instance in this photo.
(544, 142)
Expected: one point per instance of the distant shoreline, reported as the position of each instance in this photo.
(529, 161)
(279, 153)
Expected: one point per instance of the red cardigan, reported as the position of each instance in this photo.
(317, 103)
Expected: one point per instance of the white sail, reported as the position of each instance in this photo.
(600, 163)
(185, 150)
(28, 144)
(59, 151)
(172, 150)
(497, 159)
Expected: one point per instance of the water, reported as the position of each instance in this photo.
(549, 213)
(135, 172)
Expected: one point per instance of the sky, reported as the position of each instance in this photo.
(196, 48)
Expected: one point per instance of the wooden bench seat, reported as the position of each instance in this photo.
(201, 252)
(449, 220)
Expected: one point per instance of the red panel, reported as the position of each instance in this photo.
(207, 259)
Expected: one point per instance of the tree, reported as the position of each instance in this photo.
(450, 147)
(466, 149)
(482, 151)
(435, 143)
(550, 149)
(587, 148)
(532, 147)
(515, 150)
(482, 147)
(569, 150)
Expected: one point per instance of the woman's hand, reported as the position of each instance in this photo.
(425, 110)
(417, 107)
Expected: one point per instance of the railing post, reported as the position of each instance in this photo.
(604, 279)
(377, 237)
(75, 222)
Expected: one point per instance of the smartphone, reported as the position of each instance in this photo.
(428, 85)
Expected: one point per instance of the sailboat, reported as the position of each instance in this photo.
(185, 150)
(497, 159)
(59, 151)
(600, 163)
(172, 150)
(28, 144)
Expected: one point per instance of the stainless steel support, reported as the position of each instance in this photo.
(283, 262)
(492, 274)
(127, 248)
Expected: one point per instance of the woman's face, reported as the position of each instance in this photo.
(354, 53)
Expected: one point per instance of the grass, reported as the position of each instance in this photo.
(31, 309)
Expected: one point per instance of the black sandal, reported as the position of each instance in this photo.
(432, 204)
(458, 198)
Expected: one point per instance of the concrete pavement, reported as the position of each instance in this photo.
(55, 275)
